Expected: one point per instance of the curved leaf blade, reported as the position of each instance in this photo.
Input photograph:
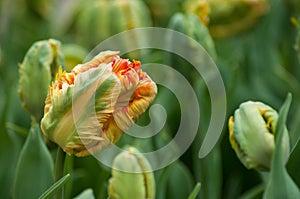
(34, 173)
(280, 183)
(55, 187)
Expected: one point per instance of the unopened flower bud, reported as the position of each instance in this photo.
(74, 55)
(36, 72)
(200, 8)
(132, 176)
(228, 18)
(251, 134)
(90, 107)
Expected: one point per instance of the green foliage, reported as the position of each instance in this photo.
(86, 194)
(175, 181)
(195, 191)
(55, 187)
(98, 20)
(34, 172)
(280, 184)
(8, 150)
(255, 48)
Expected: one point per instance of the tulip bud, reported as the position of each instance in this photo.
(98, 20)
(74, 55)
(36, 73)
(200, 8)
(251, 134)
(115, 89)
(132, 176)
(228, 18)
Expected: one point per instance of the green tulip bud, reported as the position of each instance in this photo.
(200, 8)
(98, 20)
(132, 176)
(228, 18)
(251, 134)
(36, 72)
(74, 55)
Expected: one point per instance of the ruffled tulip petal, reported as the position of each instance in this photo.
(138, 91)
(90, 107)
(94, 107)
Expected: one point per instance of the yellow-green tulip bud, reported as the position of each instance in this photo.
(132, 176)
(121, 92)
(231, 17)
(36, 72)
(200, 8)
(251, 134)
(74, 55)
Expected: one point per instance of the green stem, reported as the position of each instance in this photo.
(59, 169)
(265, 177)
(68, 167)
(22, 131)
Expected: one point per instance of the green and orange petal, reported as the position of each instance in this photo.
(121, 93)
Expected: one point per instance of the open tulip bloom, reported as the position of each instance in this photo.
(90, 107)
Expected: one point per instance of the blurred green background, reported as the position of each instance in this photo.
(255, 44)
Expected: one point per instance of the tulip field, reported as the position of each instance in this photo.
(149, 99)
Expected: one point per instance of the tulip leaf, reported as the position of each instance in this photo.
(255, 192)
(280, 184)
(175, 182)
(180, 181)
(294, 128)
(7, 159)
(55, 187)
(88, 172)
(195, 192)
(18, 129)
(8, 151)
(86, 194)
(34, 173)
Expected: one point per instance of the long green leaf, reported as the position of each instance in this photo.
(175, 181)
(280, 183)
(195, 192)
(55, 187)
(9, 150)
(34, 173)
(180, 181)
(209, 169)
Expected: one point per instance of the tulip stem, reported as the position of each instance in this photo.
(59, 169)
(264, 176)
(68, 167)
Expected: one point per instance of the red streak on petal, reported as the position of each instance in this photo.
(121, 66)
